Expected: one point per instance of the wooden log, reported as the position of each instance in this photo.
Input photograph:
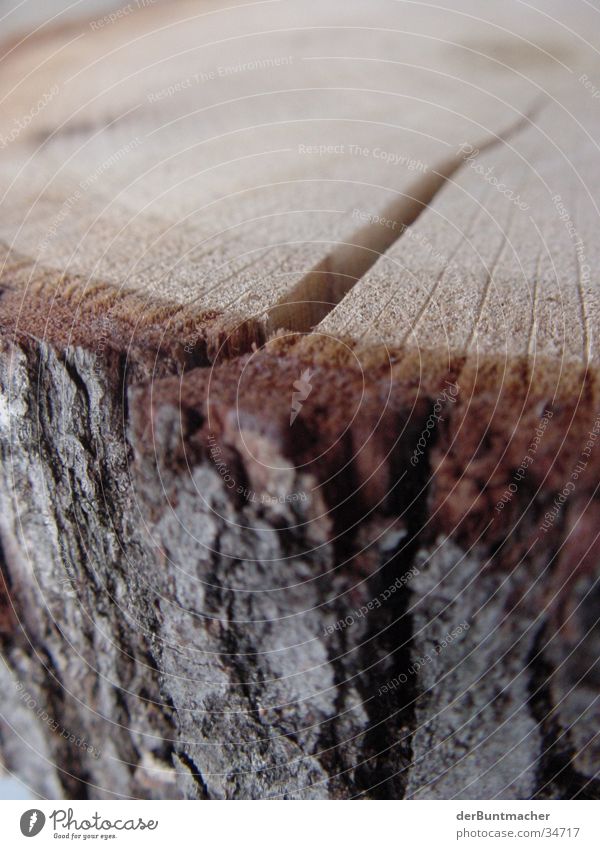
(299, 403)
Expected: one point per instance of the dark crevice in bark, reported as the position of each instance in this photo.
(195, 773)
(556, 773)
(83, 395)
(382, 775)
(8, 621)
(392, 714)
(123, 396)
(331, 744)
(71, 770)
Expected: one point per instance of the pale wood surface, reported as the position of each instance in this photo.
(486, 273)
(206, 197)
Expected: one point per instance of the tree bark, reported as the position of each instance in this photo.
(297, 638)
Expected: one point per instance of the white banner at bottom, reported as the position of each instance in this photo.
(301, 824)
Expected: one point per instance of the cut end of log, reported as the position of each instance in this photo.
(299, 404)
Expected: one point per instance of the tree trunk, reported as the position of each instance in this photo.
(299, 473)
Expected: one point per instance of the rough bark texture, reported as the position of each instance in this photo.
(205, 639)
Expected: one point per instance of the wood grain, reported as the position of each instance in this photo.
(218, 161)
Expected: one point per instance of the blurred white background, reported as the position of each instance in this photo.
(17, 17)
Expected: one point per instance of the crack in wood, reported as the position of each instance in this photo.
(333, 278)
